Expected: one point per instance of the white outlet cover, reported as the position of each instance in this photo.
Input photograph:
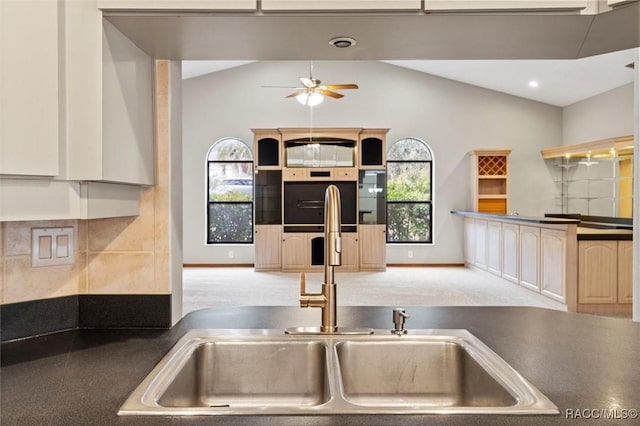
(53, 255)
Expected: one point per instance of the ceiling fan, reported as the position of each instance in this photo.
(313, 91)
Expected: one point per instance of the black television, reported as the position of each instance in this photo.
(304, 202)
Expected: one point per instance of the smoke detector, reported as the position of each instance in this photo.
(342, 42)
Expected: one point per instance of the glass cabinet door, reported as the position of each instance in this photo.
(268, 197)
(372, 192)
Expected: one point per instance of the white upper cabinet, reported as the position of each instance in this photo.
(578, 6)
(109, 97)
(224, 5)
(29, 107)
(268, 5)
(619, 2)
(127, 111)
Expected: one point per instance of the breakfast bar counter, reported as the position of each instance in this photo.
(580, 362)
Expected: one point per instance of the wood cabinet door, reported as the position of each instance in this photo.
(494, 247)
(350, 252)
(511, 252)
(597, 271)
(529, 257)
(268, 247)
(294, 251)
(373, 250)
(553, 249)
(625, 271)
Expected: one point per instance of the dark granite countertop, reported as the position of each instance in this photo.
(82, 377)
(589, 233)
(517, 218)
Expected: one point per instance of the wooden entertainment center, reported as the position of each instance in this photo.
(293, 168)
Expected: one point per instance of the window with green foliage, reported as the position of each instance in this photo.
(229, 192)
(409, 192)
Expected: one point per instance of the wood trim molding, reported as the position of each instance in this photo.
(584, 148)
(489, 152)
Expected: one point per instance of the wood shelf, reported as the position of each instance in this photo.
(492, 197)
(489, 171)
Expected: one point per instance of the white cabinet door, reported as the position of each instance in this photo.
(469, 241)
(29, 86)
(494, 246)
(128, 154)
(340, 5)
(529, 257)
(206, 5)
(481, 244)
(511, 252)
(553, 268)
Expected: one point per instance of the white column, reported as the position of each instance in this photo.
(636, 191)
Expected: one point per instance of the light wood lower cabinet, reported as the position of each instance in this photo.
(469, 241)
(268, 244)
(373, 251)
(511, 252)
(480, 229)
(475, 249)
(494, 247)
(541, 257)
(529, 257)
(295, 251)
(350, 252)
(553, 265)
(625, 271)
(302, 251)
(605, 272)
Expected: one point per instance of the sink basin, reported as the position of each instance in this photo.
(430, 374)
(249, 372)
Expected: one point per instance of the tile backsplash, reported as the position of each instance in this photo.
(112, 256)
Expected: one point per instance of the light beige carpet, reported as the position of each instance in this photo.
(451, 286)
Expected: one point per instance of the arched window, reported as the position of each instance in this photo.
(409, 192)
(229, 192)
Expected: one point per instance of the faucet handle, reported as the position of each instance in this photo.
(399, 315)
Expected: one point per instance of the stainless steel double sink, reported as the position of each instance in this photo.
(253, 372)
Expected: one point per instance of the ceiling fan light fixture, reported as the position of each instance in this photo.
(310, 98)
(342, 42)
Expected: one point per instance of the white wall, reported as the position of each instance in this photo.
(453, 118)
(607, 115)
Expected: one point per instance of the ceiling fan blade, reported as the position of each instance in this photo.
(329, 93)
(341, 86)
(296, 93)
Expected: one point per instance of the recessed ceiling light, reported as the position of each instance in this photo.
(342, 42)
(533, 83)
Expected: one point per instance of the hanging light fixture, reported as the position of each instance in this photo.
(310, 98)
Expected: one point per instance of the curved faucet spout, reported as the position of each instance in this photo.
(326, 300)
